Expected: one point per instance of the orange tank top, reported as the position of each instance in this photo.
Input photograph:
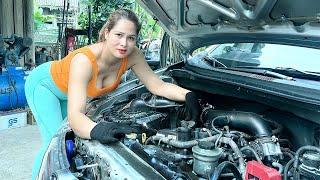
(60, 73)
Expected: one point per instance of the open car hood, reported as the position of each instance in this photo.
(196, 23)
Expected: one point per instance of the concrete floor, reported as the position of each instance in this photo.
(18, 148)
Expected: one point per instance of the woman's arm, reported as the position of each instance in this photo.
(79, 77)
(153, 83)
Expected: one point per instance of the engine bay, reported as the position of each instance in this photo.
(233, 139)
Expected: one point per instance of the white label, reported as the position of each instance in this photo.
(13, 120)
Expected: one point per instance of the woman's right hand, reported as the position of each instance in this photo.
(110, 132)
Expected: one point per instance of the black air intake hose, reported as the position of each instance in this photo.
(243, 121)
(153, 102)
(226, 165)
(159, 166)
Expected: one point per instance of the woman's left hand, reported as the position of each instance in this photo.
(192, 107)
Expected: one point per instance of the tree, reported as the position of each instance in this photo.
(101, 10)
(150, 29)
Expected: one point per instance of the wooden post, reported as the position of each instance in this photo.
(18, 22)
(29, 29)
(18, 17)
(7, 26)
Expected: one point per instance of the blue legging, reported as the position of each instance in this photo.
(48, 105)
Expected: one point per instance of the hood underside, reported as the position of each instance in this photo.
(196, 23)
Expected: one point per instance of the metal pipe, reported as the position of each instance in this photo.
(90, 25)
(182, 144)
(189, 144)
(279, 166)
(226, 11)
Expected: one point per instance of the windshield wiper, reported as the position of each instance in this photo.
(289, 72)
(261, 71)
(313, 73)
(298, 73)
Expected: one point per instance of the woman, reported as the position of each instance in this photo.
(60, 88)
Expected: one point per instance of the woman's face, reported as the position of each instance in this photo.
(121, 39)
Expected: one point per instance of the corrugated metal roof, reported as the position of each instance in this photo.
(57, 3)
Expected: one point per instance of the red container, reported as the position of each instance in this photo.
(256, 170)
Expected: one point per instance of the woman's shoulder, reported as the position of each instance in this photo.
(83, 59)
(94, 48)
(88, 53)
(82, 66)
(136, 54)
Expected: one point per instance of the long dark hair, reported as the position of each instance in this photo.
(115, 17)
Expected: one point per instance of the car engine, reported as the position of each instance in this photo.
(226, 143)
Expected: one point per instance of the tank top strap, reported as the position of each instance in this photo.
(123, 67)
(91, 56)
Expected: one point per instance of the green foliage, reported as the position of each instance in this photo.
(40, 19)
(150, 29)
(101, 9)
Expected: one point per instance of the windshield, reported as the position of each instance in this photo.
(267, 56)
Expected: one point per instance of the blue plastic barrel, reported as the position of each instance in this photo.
(12, 94)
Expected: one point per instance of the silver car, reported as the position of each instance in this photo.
(259, 90)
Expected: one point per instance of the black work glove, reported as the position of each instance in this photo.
(192, 108)
(110, 132)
